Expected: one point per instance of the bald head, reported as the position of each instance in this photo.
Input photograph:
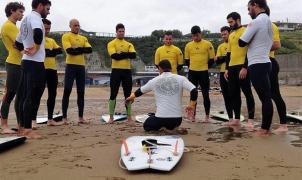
(74, 25)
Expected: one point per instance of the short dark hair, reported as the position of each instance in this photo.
(119, 26)
(260, 3)
(165, 65)
(46, 21)
(168, 33)
(195, 30)
(35, 3)
(234, 15)
(267, 11)
(13, 6)
(225, 28)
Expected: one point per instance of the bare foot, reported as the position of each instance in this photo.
(83, 121)
(33, 125)
(110, 121)
(30, 134)
(51, 122)
(7, 130)
(65, 121)
(235, 122)
(250, 124)
(282, 129)
(263, 133)
(129, 120)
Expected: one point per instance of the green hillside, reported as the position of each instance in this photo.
(291, 42)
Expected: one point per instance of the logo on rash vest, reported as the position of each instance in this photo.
(24, 29)
(167, 86)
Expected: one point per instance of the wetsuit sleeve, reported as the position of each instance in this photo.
(228, 56)
(210, 63)
(138, 92)
(242, 43)
(87, 50)
(37, 30)
(19, 45)
(75, 51)
(211, 53)
(227, 60)
(187, 55)
(38, 36)
(220, 59)
(119, 56)
(245, 65)
(194, 94)
(187, 61)
(56, 50)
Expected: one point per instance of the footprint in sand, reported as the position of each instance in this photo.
(83, 166)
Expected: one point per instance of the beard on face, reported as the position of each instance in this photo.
(253, 15)
(235, 26)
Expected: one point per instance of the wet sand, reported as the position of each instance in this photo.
(93, 151)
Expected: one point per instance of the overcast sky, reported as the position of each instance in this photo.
(141, 17)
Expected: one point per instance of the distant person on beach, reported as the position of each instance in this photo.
(258, 37)
(199, 56)
(75, 46)
(169, 52)
(9, 31)
(168, 91)
(220, 59)
(32, 83)
(120, 51)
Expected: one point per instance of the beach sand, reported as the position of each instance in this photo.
(93, 151)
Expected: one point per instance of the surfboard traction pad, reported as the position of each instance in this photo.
(162, 156)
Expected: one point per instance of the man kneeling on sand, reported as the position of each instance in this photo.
(168, 92)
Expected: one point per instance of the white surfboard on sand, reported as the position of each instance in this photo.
(295, 115)
(116, 117)
(222, 115)
(11, 141)
(142, 117)
(44, 119)
(152, 152)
